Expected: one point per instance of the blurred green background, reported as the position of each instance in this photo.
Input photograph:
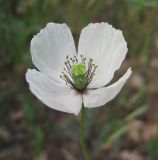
(126, 129)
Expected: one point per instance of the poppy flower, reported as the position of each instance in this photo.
(65, 77)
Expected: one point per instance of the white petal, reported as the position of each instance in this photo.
(58, 97)
(50, 47)
(100, 96)
(106, 46)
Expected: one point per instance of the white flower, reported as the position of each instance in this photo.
(101, 50)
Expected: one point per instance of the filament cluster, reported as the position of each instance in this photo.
(78, 72)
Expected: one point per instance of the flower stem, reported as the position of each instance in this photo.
(82, 143)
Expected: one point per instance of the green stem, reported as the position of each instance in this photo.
(83, 146)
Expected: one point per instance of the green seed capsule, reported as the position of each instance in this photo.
(79, 75)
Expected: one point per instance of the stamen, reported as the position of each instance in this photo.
(67, 57)
(78, 72)
(76, 59)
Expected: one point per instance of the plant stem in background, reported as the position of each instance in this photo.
(82, 143)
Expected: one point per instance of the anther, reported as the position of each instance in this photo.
(91, 60)
(67, 57)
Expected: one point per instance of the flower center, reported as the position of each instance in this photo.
(78, 72)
